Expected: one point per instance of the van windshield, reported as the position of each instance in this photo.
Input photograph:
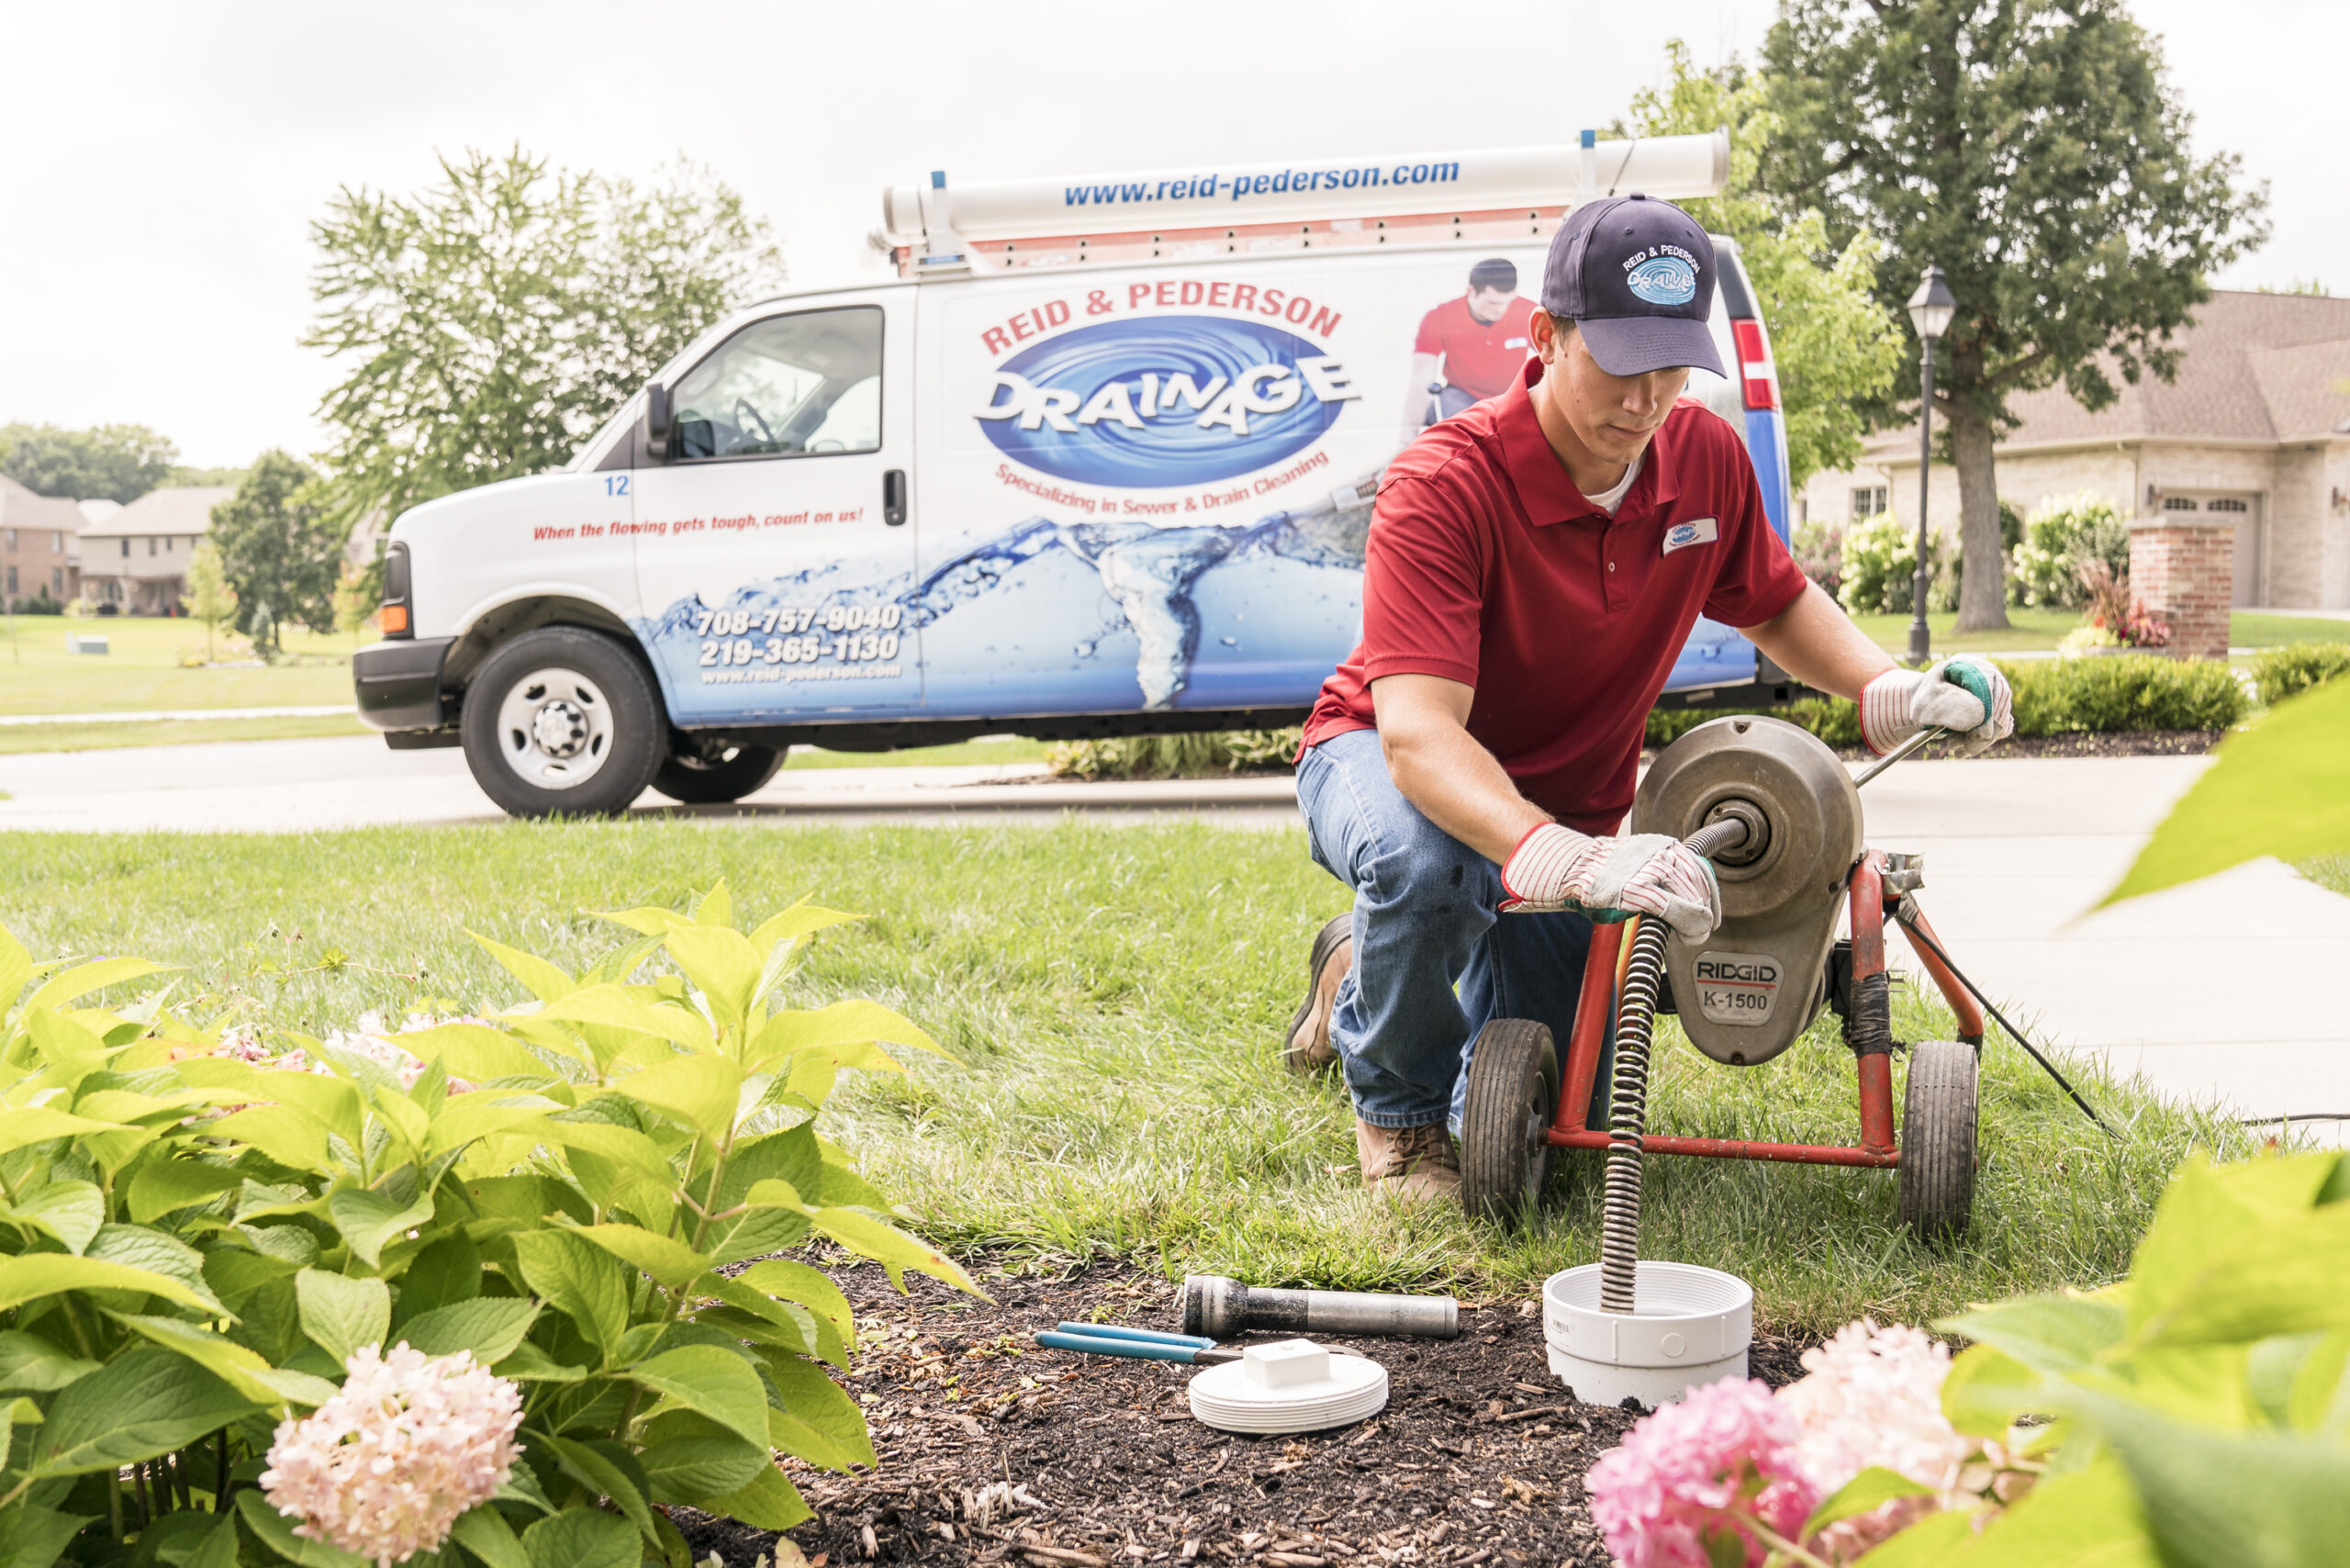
(791, 386)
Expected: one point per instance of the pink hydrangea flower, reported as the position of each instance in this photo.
(385, 1467)
(1875, 1399)
(1707, 1468)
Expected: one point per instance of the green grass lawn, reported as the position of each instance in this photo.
(144, 668)
(2328, 871)
(18, 738)
(2029, 630)
(1109, 998)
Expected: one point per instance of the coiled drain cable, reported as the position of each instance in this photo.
(1619, 1240)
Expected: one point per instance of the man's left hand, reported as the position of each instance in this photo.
(1965, 695)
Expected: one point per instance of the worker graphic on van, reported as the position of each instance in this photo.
(1478, 341)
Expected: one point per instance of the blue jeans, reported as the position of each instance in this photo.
(1434, 963)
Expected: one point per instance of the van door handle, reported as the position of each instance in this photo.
(893, 498)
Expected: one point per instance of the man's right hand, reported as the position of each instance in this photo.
(1611, 880)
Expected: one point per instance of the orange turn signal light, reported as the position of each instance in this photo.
(393, 620)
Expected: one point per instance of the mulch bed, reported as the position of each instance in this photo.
(995, 1452)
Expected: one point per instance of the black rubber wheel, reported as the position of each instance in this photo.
(1513, 1096)
(563, 721)
(1938, 1139)
(693, 779)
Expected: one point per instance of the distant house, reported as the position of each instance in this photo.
(37, 545)
(137, 559)
(2252, 439)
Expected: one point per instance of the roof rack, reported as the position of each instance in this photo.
(1512, 193)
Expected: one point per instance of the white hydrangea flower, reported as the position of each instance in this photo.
(1873, 1398)
(385, 1467)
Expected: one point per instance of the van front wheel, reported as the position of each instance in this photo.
(562, 722)
(693, 779)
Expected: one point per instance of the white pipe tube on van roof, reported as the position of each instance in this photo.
(1676, 168)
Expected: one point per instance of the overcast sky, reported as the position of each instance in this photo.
(165, 159)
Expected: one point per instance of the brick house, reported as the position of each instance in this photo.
(2236, 474)
(39, 545)
(137, 559)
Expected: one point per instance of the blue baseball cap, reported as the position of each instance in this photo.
(1635, 276)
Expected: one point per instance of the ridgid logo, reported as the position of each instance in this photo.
(1163, 401)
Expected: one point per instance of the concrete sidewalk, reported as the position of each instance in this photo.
(311, 786)
(2212, 990)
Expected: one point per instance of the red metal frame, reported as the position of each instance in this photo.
(1602, 982)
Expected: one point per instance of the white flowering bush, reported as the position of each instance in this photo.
(500, 1288)
(2196, 1414)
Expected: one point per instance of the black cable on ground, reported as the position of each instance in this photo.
(1909, 924)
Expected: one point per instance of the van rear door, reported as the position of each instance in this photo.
(772, 544)
(1716, 655)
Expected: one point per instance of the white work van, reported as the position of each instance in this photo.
(1100, 460)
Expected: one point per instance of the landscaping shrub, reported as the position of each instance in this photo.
(2052, 696)
(492, 1255)
(2059, 539)
(1200, 755)
(2279, 673)
(1819, 551)
(1880, 566)
(2126, 691)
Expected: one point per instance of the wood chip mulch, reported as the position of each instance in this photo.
(994, 1452)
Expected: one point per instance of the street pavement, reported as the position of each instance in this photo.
(2215, 991)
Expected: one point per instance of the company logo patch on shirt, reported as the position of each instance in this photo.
(1697, 530)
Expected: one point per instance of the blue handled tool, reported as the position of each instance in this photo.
(1134, 1344)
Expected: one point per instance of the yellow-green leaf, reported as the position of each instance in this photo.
(39, 1124)
(771, 1502)
(719, 960)
(478, 1052)
(670, 1262)
(31, 1275)
(613, 1007)
(241, 1369)
(701, 1090)
(83, 979)
(541, 979)
(2281, 787)
(892, 1248)
(852, 1031)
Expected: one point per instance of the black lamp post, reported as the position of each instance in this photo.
(1930, 309)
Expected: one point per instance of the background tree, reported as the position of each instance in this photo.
(210, 598)
(2033, 150)
(114, 463)
(495, 319)
(281, 549)
(1836, 347)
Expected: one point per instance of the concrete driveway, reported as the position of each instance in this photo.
(2217, 991)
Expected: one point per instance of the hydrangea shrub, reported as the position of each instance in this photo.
(498, 1288)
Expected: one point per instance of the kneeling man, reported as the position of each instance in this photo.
(1536, 564)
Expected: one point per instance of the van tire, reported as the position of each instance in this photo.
(563, 721)
(689, 779)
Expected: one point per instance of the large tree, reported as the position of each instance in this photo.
(1836, 346)
(2033, 150)
(114, 463)
(494, 319)
(280, 549)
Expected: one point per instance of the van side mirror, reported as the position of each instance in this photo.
(657, 422)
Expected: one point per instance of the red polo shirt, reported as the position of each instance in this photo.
(1489, 568)
(1482, 360)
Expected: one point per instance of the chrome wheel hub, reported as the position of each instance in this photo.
(555, 729)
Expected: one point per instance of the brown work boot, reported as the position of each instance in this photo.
(1411, 1164)
(1307, 1048)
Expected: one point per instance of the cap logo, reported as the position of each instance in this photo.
(1667, 279)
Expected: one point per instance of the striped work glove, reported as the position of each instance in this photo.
(1611, 880)
(1966, 696)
